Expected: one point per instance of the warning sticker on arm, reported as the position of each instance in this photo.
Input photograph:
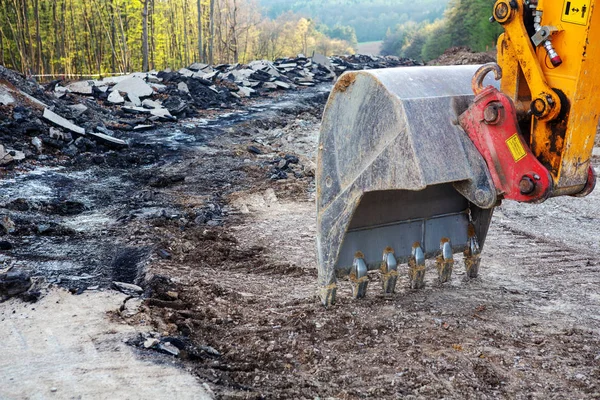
(516, 147)
(576, 11)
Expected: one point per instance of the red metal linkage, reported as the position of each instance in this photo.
(491, 123)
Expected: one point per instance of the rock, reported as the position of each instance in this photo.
(142, 127)
(37, 143)
(270, 196)
(8, 156)
(5, 245)
(245, 91)
(130, 307)
(13, 283)
(287, 65)
(164, 254)
(128, 288)
(151, 342)
(172, 295)
(5, 97)
(186, 72)
(175, 105)
(134, 99)
(161, 181)
(254, 150)
(183, 87)
(77, 110)
(210, 75)
(135, 110)
(283, 85)
(108, 140)
(168, 348)
(62, 122)
(162, 113)
(321, 60)
(134, 85)
(60, 91)
(7, 224)
(269, 86)
(197, 66)
(151, 104)
(210, 351)
(82, 87)
(158, 87)
(116, 98)
(57, 134)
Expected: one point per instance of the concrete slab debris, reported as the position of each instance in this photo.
(134, 85)
(135, 100)
(77, 109)
(5, 97)
(81, 87)
(116, 98)
(183, 87)
(62, 122)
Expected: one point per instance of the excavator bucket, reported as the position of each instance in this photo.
(398, 180)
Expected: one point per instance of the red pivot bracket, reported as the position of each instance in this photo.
(491, 123)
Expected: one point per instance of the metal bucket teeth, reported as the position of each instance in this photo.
(389, 271)
(327, 294)
(445, 261)
(472, 255)
(358, 276)
(416, 267)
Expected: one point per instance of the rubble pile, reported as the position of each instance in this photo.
(463, 56)
(69, 118)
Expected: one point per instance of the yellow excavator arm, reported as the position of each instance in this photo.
(549, 56)
(412, 161)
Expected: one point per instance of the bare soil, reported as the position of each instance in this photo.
(238, 279)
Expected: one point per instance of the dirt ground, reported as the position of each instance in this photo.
(227, 257)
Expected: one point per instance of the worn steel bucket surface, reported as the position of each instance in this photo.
(398, 180)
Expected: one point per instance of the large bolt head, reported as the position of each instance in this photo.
(501, 11)
(526, 185)
(490, 114)
(538, 107)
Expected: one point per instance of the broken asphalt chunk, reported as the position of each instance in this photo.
(62, 122)
(128, 288)
(13, 283)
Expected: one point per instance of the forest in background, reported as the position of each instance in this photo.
(465, 23)
(370, 19)
(98, 37)
(71, 37)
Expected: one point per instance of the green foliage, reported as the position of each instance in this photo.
(85, 37)
(370, 18)
(465, 23)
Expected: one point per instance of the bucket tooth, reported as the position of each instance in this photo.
(389, 271)
(358, 276)
(472, 255)
(416, 267)
(445, 261)
(327, 294)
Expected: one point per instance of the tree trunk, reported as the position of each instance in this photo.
(145, 36)
(113, 59)
(152, 42)
(38, 38)
(200, 48)
(211, 39)
(31, 54)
